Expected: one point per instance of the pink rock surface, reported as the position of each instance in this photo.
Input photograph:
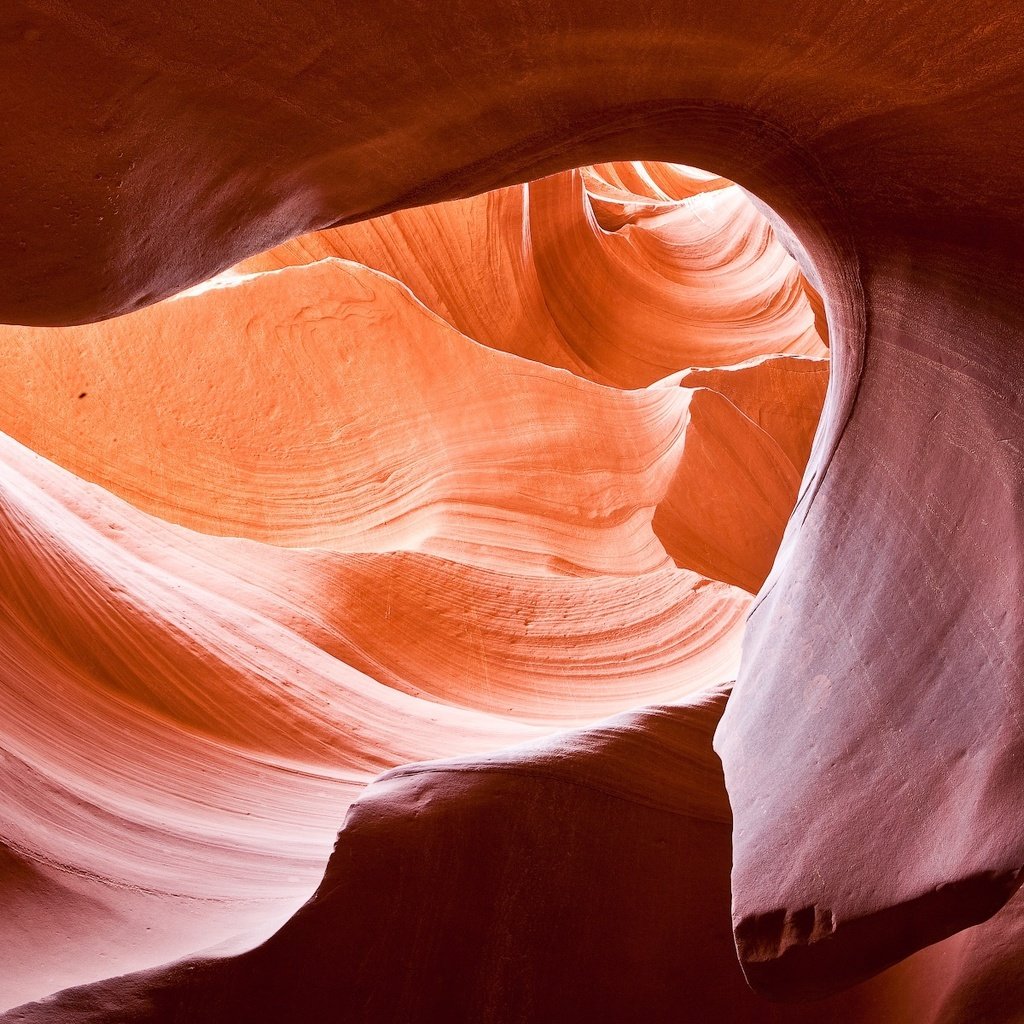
(871, 748)
(233, 603)
(493, 888)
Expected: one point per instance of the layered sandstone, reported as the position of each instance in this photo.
(295, 526)
(871, 750)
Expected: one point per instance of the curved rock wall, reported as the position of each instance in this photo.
(294, 527)
(871, 751)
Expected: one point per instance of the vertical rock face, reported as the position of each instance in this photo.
(871, 746)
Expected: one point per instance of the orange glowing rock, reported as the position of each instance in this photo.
(733, 492)
(872, 749)
(354, 537)
(187, 716)
(298, 408)
(620, 286)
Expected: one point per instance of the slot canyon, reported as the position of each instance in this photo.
(511, 513)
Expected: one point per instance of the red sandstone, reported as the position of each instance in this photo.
(443, 482)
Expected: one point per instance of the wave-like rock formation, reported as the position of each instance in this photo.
(294, 527)
(492, 888)
(174, 654)
(602, 271)
(481, 861)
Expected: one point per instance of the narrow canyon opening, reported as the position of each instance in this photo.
(421, 487)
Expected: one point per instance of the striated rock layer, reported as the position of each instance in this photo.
(623, 273)
(871, 747)
(506, 865)
(303, 529)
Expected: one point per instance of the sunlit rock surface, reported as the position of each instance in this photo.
(602, 271)
(872, 752)
(294, 527)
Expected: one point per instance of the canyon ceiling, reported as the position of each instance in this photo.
(400, 434)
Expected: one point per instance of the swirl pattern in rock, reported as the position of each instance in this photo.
(293, 527)
(871, 747)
